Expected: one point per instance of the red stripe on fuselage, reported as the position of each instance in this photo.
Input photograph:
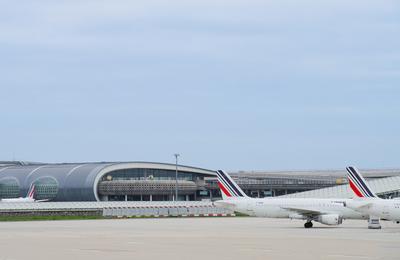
(224, 190)
(354, 188)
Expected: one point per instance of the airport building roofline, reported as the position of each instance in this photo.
(368, 173)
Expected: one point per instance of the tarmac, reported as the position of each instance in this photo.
(196, 238)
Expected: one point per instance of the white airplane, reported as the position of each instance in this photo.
(368, 202)
(325, 211)
(28, 199)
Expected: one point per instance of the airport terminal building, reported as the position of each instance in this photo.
(103, 181)
(151, 181)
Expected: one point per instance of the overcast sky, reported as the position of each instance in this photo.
(237, 85)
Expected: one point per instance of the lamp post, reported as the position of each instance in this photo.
(176, 175)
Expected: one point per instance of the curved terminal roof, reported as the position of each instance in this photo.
(78, 181)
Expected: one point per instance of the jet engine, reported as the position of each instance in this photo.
(330, 219)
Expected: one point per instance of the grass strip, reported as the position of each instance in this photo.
(41, 218)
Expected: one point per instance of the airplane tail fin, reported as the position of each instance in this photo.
(31, 192)
(229, 189)
(358, 184)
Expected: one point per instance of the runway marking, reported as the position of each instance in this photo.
(104, 250)
(351, 256)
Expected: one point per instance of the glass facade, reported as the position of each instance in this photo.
(146, 184)
(46, 188)
(148, 174)
(9, 188)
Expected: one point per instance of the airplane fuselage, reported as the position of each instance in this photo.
(285, 207)
(17, 200)
(388, 209)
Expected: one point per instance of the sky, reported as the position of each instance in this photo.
(234, 85)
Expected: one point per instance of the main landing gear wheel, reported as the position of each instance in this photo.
(308, 224)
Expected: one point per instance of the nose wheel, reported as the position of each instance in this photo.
(308, 224)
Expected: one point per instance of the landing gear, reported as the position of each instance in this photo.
(374, 223)
(308, 224)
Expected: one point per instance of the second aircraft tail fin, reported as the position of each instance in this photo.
(31, 192)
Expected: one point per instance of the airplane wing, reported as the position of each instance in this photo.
(223, 204)
(360, 205)
(305, 212)
(365, 205)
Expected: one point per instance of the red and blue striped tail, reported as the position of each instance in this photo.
(31, 192)
(358, 184)
(228, 187)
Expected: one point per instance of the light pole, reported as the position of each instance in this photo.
(176, 175)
